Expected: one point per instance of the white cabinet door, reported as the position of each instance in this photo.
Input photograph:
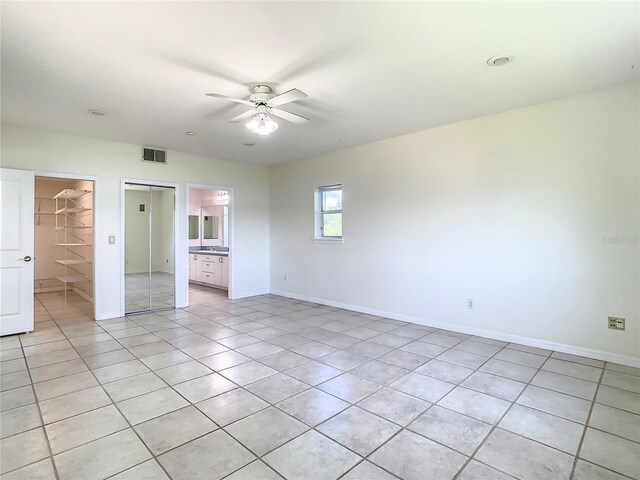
(192, 267)
(197, 271)
(16, 251)
(224, 272)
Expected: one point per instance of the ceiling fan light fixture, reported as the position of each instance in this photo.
(262, 124)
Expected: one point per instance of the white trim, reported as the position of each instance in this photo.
(98, 248)
(328, 240)
(177, 273)
(506, 337)
(108, 315)
(82, 294)
(250, 294)
(232, 235)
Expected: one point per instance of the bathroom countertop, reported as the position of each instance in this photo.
(209, 252)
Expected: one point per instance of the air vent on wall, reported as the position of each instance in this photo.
(154, 155)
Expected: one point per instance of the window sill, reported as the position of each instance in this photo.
(327, 240)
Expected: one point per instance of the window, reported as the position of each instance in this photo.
(329, 212)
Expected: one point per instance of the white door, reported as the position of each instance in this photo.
(16, 250)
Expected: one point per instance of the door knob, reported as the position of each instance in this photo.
(27, 258)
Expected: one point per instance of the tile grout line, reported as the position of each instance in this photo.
(586, 424)
(37, 402)
(495, 426)
(130, 426)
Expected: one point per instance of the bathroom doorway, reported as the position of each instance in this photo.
(209, 210)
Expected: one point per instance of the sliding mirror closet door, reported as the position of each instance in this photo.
(149, 248)
(162, 248)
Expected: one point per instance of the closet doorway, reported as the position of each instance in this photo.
(63, 250)
(149, 247)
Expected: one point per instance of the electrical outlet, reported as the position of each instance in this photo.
(470, 303)
(616, 323)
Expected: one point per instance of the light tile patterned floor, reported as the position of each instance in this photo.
(148, 291)
(268, 388)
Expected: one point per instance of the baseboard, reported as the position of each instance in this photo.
(505, 337)
(238, 296)
(108, 315)
(84, 295)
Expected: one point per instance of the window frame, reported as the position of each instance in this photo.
(320, 212)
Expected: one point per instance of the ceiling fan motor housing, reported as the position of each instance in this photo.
(262, 94)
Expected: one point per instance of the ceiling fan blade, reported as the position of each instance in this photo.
(242, 116)
(233, 99)
(291, 117)
(287, 97)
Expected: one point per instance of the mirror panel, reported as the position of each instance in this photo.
(210, 227)
(149, 248)
(162, 289)
(137, 241)
(194, 227)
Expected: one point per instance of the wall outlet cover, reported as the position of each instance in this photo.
(616, 323)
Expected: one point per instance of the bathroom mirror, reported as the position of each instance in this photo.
(210, 227)
(193, 227)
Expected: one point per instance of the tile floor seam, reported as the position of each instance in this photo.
(250, 463)
(130, 426)
(42, 424)
(494, 427)
(364, 460)
(586, 425)
(310, 429)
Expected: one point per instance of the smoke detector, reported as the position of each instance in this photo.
(499, 60)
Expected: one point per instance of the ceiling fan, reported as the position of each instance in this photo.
(264, 103)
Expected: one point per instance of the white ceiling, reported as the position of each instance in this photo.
(372, 70)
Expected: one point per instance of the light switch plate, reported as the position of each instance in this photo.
(112, 239)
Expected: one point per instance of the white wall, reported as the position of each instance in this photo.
(514, 210)
(45, 151)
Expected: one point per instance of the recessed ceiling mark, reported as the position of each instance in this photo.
(98, 113)
(191, 134)
(499, 60)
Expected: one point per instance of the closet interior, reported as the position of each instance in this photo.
(63, 236)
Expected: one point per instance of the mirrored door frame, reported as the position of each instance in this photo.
(176, 236)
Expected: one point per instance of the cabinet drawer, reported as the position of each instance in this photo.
(208, 266)
(207, 277)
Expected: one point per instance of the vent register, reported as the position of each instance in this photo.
(154, 155)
